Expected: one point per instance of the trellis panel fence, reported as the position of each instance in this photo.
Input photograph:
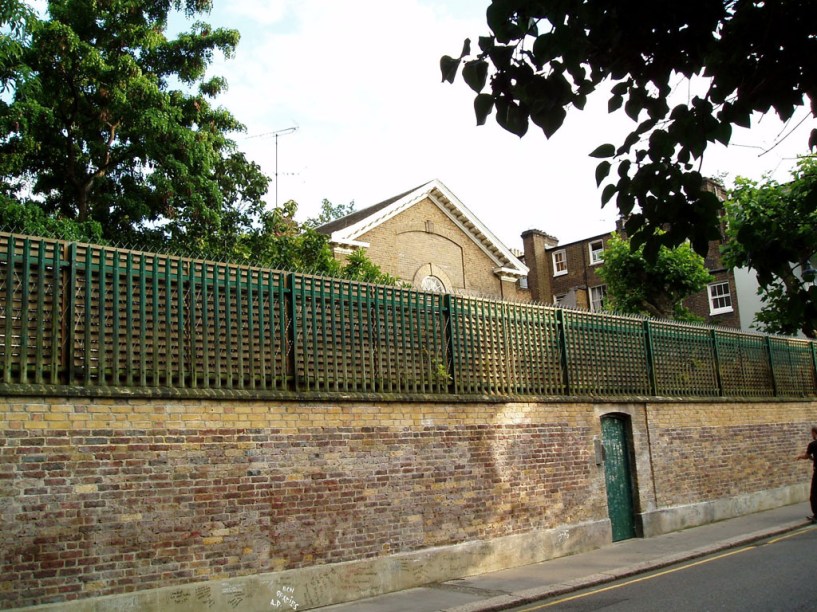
(115, 320)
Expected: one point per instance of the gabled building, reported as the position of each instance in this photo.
(428, 238)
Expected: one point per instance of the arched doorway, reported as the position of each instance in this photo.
(615, 436)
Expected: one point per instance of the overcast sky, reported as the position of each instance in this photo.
(360, 80)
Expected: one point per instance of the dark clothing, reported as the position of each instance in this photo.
(811, 451)
(813, 496)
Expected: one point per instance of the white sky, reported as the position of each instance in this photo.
(360, 80)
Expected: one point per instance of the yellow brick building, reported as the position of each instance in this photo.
(429, 239)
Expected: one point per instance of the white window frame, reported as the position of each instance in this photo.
(714, 297)
(596, 255)
(432, 284)
(593, 291)
(562, 260)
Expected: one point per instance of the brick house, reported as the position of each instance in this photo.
(429, 239)
(567, 274)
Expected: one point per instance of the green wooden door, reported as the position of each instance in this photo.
(618, 477)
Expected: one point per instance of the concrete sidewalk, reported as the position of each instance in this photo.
(513, 587)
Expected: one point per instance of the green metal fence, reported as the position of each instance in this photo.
(99, 317)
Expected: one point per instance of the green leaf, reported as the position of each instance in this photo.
(608, 193)
(723, 133)
(511, 117)
(629, 141)
(602, 170)
(550, 120)
(542, 48)
(449, 67)
(502, 56)
(619, 89)
(633, 107)
(475, 74)
(483, 105)
(486, 43)
(605, 150)
(742, 119)
(580, 101)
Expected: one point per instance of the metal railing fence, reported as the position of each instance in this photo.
(106, 318)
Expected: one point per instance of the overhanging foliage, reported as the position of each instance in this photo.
(545, 56)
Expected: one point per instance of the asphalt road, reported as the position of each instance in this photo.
(775, 574)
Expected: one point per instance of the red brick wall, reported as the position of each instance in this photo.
(727, 452)
(112, 496)
(117, 496)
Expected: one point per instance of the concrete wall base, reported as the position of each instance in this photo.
(667, 520)
(323, 585)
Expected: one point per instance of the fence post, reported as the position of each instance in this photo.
(9, 310)
(448, 335)
(716, 352)
(771, 365)
(292, 337)
(814, 362)
(814, 359)
(69, 323)
(650, 357)
(56, 317)
(560, 320)
(191, 323)
(25, 281)
(87, 300)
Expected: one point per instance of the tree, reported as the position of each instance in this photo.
(108, 133)
(359, 267)
(280, 242)
(330, 212)
(32, 220)
(657, 287)
(107, 120)
(15, 18)
(772, 229)
(545, 56)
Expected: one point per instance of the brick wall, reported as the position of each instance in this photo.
(112, 496)
(705, 454)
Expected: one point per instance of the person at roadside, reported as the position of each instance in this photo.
(811, 453)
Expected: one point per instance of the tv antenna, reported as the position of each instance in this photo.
(276, 134)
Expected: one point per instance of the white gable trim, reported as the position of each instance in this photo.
(349, 234)
(351, 244)
(510, 265)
